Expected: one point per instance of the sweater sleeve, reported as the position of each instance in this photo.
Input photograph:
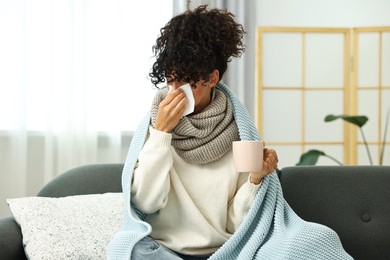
(151, 183)
(241, 202)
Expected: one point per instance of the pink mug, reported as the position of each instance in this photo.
(248, 156)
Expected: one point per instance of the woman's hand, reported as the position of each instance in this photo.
(171, 110)
(270, 163)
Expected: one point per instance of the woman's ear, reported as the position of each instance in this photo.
(214, 78)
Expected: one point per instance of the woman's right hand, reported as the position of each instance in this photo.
(170, 111)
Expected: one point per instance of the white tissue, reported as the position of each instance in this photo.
(190, 98)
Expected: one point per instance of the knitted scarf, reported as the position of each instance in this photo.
(204, 137)
(270, 230)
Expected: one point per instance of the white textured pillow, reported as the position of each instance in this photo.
(74, 227)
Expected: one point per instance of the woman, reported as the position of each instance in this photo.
(185, 180)
(184, 200)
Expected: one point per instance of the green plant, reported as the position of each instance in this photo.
(311, 157)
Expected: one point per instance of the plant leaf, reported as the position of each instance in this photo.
(356, 120)
(310, 157)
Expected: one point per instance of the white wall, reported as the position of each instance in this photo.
(323, 13)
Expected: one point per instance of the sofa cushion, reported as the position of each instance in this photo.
(72, 227)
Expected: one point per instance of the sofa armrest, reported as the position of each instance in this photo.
(352, 200)
(11, 246)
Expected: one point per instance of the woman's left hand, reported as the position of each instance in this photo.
(270, 163)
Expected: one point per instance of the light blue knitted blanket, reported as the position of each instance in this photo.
(271, 229)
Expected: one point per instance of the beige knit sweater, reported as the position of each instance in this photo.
(193, 209)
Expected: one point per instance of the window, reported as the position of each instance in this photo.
(71, 64)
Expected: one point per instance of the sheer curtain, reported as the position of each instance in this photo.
(73, 84)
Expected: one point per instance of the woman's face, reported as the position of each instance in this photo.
(201, 90)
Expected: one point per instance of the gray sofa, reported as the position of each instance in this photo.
(352, 200)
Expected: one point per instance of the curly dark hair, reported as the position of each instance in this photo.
(193, 44)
